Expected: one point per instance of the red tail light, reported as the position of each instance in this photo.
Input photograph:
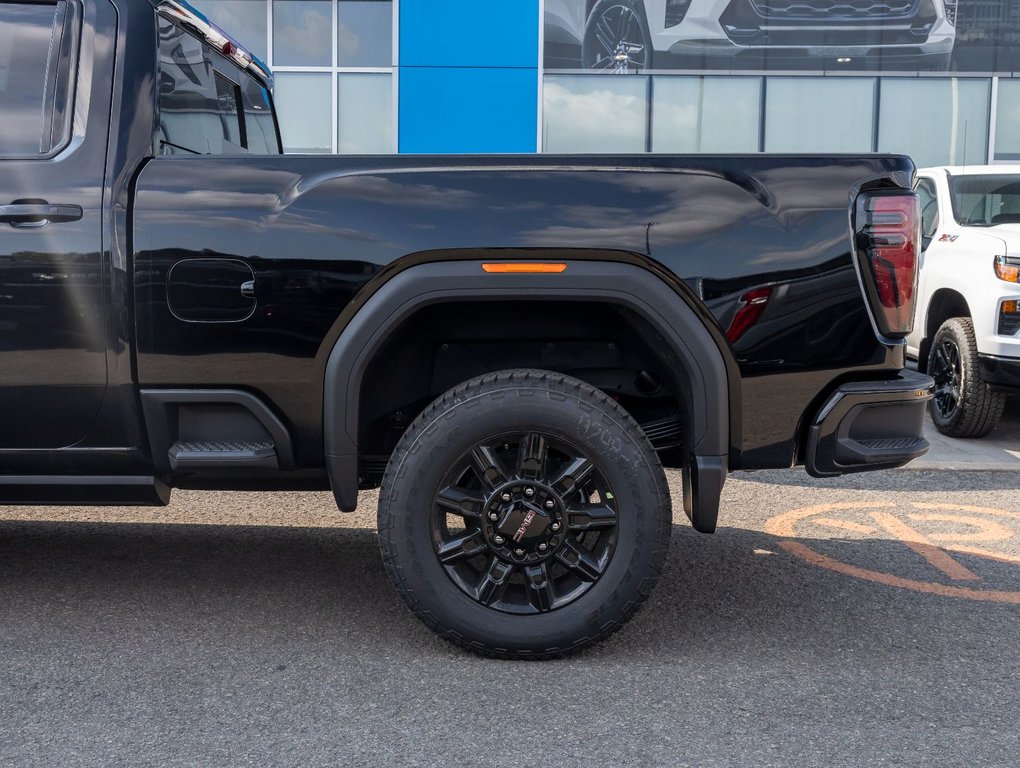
(887, 238)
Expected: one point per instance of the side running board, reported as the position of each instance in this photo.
(218, 455)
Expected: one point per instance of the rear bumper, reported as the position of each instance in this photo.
(1001, 372)
(869, 425)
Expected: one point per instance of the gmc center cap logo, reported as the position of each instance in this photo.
(528, 518)
(525, 524)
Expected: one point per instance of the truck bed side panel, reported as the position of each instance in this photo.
(316, 231)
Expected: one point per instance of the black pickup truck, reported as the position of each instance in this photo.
(512, 348)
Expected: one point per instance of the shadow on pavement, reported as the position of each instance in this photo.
(213, 645)
(252, 589)
(921, 480)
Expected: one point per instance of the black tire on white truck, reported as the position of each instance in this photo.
(964, 405)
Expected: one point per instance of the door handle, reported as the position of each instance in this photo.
(248, 289)
(38, 213)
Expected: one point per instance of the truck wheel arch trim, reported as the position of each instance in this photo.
(454, 281)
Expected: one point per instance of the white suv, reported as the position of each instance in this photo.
(967, 327)
(626, 35)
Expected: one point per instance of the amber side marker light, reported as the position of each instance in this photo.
(511, 268)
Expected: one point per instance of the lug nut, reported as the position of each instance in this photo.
(519, 552)
(543, 547)
(549, 504)
(498, 539)
(555, 526)
(493, 516)
(506, 496)
(529, 491)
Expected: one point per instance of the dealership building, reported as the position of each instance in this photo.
(935, 79)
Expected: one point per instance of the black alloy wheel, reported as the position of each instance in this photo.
(616, 38)
(946, 370)
(524, 514)
(524, 523)
(964, 405)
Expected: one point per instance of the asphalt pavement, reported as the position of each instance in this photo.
(872, 620)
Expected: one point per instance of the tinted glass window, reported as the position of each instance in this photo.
(305, 107)
(936, 121)
(364, 33)
(29, 44)
(929, 207)
(302, 33)
(258, 119)
(207, 105)
(198, 111)
(986, 200)
(366, 114)
(705, 114)
(832, 114)
(603, 113)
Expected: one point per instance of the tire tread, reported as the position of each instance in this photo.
(980, 406)
(553, 383)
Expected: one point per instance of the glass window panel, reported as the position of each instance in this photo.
(823, 114)
(305, 109)
(365, 33)
(586, 113)
(365, 104)
(1007, 121)
(929, 206)
(258, 119)
(243, 20)
(198, 106)
(27, 63)
(935, 121)
(705, 114)
(302, 33)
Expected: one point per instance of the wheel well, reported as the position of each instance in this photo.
(443, 345)
(945, 303)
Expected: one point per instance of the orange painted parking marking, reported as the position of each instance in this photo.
(933, 531)
(965, 550)
(843, 525)
(988, 530)
(917, 542)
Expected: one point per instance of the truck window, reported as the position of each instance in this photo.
(929, 206)
(207, 105)
(198, 105)
(260, 127)
(31, 36)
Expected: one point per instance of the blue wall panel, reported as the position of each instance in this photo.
(468, 76)
(452, 110)
(469, 33)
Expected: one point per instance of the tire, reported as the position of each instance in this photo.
(617, 27)
(964, 405)
(524, 587)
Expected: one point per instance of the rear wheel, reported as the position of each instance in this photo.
(524, 515)
(964, 405)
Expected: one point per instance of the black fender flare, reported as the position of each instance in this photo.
(439, 282)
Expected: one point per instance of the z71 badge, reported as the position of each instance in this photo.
(948, 238)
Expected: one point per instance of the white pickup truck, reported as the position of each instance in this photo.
(967, 325)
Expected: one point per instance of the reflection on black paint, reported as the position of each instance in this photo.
(315, 231)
